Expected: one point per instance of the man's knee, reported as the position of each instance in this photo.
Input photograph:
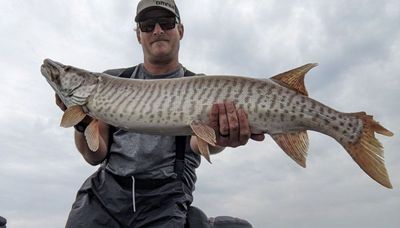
(228, 222)
(198, 219)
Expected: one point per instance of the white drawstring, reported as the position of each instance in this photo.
(133, 194)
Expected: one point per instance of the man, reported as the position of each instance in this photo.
(139, 183)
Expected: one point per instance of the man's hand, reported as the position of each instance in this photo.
(231, 125)
(62, 106)
(80, 141)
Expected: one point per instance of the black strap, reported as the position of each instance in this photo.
(188, 73)
(180, 142)
(127, 72)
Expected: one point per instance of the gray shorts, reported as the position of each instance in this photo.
(103, 202)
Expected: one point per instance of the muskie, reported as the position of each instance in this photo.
(278, 106)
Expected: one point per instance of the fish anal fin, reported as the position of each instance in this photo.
(295, 144)
(72, 116)
(204, 149)
(204, 132)
(294, 79)
(367, 152)
(92, 135)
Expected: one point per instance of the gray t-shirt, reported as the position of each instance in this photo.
(148, 156)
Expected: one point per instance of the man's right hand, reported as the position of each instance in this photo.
(62, 106)
(80, 141)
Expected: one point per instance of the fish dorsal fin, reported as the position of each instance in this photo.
(294, 79)
(72, 116)
(295, 144)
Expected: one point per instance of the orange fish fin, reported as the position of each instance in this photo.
(367, 152)
(204, 149)
(72, 116)
(295, 144)
(294, 79)
(92, 135)
(380, 129)
(205, 132)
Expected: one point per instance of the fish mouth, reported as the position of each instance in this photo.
(51, 69)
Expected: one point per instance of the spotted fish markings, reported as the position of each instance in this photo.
(278, 106)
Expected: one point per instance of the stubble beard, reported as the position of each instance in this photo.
(164, 58)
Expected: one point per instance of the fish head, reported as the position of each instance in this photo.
(73, 85)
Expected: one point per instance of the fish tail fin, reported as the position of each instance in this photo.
(367, 152)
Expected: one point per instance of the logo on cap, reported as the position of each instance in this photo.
(166, 4)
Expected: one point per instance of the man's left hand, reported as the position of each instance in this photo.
(231, 125)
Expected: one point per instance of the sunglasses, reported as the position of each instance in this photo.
(166, 23)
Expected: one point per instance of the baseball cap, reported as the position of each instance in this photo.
(145, 5)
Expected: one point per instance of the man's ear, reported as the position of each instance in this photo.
(181, 30)
(138, 35)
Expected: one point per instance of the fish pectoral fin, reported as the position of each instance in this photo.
(204, 132)
(295, 144)
(204, 149)
(294, 79)
(92, 135)
(72, 116)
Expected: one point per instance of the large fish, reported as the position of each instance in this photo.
(278, 106)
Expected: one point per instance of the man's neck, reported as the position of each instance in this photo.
(160, 68)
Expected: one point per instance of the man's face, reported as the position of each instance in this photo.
(159, 45)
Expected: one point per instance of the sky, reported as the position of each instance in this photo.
(357, 46)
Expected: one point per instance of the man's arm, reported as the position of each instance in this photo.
(92, 157)
(231, 126)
